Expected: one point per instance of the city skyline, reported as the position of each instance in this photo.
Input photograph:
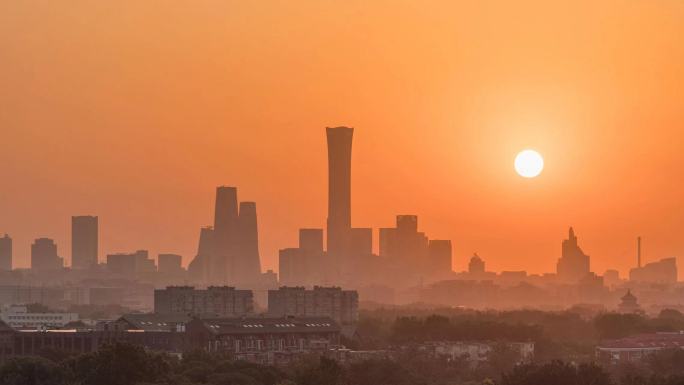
(135, 127)
(228, 251)
(226, 208)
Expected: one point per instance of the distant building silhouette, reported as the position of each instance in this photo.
(229, 252)
(339, 191)
(247, 264)
(84, 242)
(169, 264)
(130, 265)
(439, 257)
(304, 265)
(611, 277)
(225, 234)
(311, 241)
(404, 243)
(663, 271)
(199, 267)
(44, 255)
(6, 253)
(361, 242)
(476, 265)
(573, 264)
(406, 256)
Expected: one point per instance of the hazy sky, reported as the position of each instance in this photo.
(136, 110)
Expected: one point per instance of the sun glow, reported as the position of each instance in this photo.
(529, 163)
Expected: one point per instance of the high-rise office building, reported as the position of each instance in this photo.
(169, 264)
(311, 241)
(247, 264)
(228, 253)
(199, 267)
(130, 264)
(44, 255)
(6, 253)
(660, 272)
(225, 233)
(84, 242)
(292, 266)
(439, 256)
(404, 243)
(339, 190)
(361, 242)
(573, 265)
(305, 264)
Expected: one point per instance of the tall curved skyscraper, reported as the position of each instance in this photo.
(339, 190)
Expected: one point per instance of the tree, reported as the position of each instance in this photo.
(119, 364)
(614, 325)
(378, 372)
(667, 362)
(556, 373)
(31, 371)
(502, 358)
(324, 372)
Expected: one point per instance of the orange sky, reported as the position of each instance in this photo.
(135, 110)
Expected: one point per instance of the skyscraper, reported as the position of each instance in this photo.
(199, 267)
(247, 264)
(169, 264)
(361, 242)
(225, 233)
(228, 253)
(439, 257)
(573, 265)
(339, 190)
(311, 241)
(6, 253)
(84, 242)
(44, 255)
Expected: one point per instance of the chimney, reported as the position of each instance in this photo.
(638, 251)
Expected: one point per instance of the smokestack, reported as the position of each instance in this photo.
(638, 251)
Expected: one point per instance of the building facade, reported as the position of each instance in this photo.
(636, 348)
(6, 253)
(84, 242)
(333, 302)
(267, 341)
(228, 252)
(339, 191)
(573, 264)
(44, 255)
(660, 272)
(223, 301)
(18, 317)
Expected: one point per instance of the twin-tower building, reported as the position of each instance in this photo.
(228, 252)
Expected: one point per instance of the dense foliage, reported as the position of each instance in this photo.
(564, 355)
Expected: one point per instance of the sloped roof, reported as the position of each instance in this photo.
(271, 325)
(155, 321)
(646, 341)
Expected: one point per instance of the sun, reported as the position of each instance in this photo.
(529, 163)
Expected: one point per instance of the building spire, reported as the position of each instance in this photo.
(638, 251)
